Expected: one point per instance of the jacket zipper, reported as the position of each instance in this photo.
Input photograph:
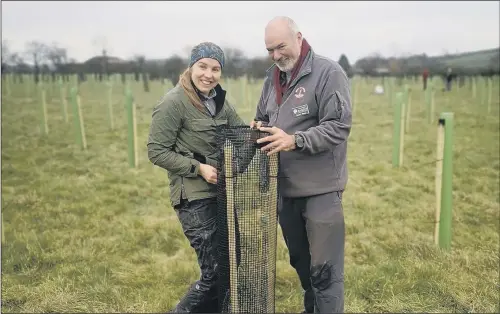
(183, 190)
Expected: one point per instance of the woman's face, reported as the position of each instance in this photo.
(205, 74)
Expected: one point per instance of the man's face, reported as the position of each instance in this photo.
(205, 74)
(283, 47)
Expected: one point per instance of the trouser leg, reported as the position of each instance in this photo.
(294, 232)
(224, 252)
(198, 220)
(326, 234)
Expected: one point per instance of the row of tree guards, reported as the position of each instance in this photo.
(481, 89)
(402, 114)
(480, 86)
(75, 100)
(444, 158)
(444, 164)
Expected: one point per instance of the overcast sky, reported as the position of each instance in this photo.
(158, 29)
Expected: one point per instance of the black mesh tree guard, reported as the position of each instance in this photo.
(247, 196)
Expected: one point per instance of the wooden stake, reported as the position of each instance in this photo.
(45, 126)
(233, 267)
(439, 173)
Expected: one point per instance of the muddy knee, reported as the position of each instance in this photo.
(325, 275)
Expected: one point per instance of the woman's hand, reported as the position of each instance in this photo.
(209, 173)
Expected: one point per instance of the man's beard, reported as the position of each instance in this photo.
(286, 65)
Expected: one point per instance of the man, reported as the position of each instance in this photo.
(306, 107)
(449, 79)
(425, 76)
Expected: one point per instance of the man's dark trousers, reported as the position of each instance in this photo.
(314, 232)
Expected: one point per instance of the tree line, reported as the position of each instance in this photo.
(48, 62)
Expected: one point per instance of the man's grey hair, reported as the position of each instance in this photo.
(294, 28)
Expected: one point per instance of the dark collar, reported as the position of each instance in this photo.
(219, 99)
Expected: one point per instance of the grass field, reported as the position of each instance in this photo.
(84, 232)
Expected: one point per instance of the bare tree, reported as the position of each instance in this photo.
(494, 63)
(141, 65)
(58, 57)
(100, 43)
(104, 66)
(257, 67)
(18, 66)
(344, 63)
(173, 68)
(369, 64)
(5, 50)
(38, 52)
(5, 56)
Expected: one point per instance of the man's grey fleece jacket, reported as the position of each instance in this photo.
(316, 106)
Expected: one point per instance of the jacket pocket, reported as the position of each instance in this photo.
(200, 125)
(200, 134)
(340, 105)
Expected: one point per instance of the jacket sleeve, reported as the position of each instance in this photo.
(261, 112)
(165, 125)
(334, 114)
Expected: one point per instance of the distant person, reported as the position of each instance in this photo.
(306, 106)
(449, 79)
(425, 76)
(181, 141)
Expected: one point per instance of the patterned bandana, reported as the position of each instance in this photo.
(207, 50)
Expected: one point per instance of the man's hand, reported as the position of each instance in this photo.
(278, 140)
(209, 173)
(255, 124)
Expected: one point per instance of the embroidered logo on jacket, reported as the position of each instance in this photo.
(299, 92)
(300, 110)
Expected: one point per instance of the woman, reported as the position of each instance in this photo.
(182, 141)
